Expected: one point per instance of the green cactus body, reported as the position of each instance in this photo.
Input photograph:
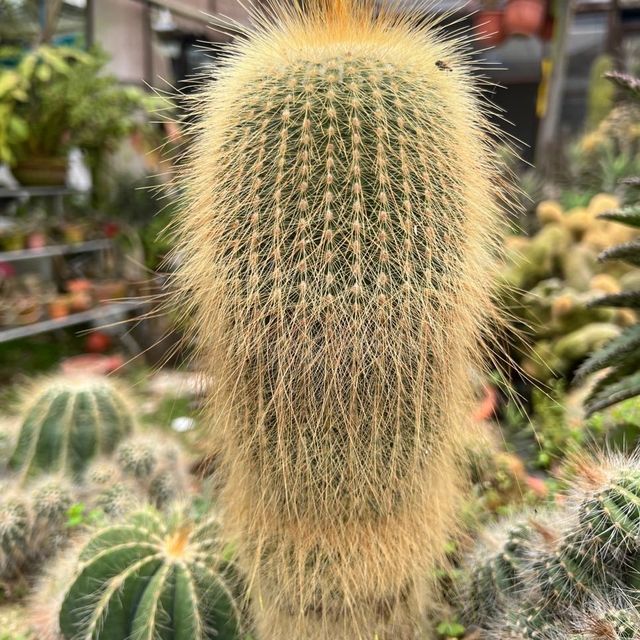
(610, 517)
(149, 578)
(497, 577)
(338, 260)
(15, 533)
(51, 501)
(571, 571)
(137, 457)
(67, 423)
(163, 488)
(117, 499)
(526, 623)
(101, 473)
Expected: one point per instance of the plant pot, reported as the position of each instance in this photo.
(488, 28)
(41, 171)
(109, 290)
(58, 308)
(36, 240)
(74, 233)
(524, 17)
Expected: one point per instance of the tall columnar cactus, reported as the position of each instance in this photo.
(336, 259)
(68, 421)
(153, 577)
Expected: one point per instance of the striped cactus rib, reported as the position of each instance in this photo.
(151, 578)
(69, 422)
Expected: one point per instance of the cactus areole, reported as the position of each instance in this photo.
(336, 249)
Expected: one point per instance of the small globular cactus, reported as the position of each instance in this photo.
(137, 457)
(152, 576)
(15, 533)
(117, 499)
(496, 574)
(67, 422)
(575, 560)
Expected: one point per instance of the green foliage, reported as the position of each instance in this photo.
(152, 576)
(67, 422)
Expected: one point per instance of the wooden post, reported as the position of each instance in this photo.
(548, 132)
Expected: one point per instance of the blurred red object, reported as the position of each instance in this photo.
(7, 270)
(524, 17)
(97, 342)
(111, 229)
(488, 27)
(91, 364)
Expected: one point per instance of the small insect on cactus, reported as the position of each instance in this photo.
(337, 246)
(66, 422)
(153, 577)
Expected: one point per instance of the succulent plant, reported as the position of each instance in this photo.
(621, 355)
(67, 422)
(152, 576)
(117, 499)
(137, 457)
(337, 248)
(15, 533)
(496, 574)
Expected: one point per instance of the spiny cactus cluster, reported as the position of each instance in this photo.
(143, 468)
(67, 422)
(152, 576)
(546, 569)
(337, 247)
(32, 524)
(621, 355)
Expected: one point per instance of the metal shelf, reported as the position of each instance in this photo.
(54, 250)
(33, 192)
(104, 312)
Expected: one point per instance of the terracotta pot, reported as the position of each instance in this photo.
(92, 364)
(524, 17)
(58, 308)
(109, 290)
(41, 171)
(80, 301)
(36, 240)
(488, 27)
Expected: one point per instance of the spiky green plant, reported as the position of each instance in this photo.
(337, 247)
(620, 356)
(580, 563)
(15, 533)
(67, 422)
(153, 577)
(496, 573)
(137, 457)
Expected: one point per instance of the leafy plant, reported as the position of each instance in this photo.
(620, 356)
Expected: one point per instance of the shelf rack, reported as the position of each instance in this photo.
(106, 313)
(54, 250)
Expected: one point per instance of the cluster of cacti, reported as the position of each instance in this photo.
(153, 575)
(553, 278)
(143, 467)
(547, 569)
(336, 259)
(32, 523)
(68, 421)
(621, 355)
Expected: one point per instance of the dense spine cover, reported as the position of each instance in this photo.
(337, 248)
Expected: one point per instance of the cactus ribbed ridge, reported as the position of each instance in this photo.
(150, 576)
(336, 250)
(66, 422)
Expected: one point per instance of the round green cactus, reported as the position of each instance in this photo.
(15, 533)
(117, 499)
(137, 457)
(51, 500)
(154, 577)
(67, 422)
(496, 575)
